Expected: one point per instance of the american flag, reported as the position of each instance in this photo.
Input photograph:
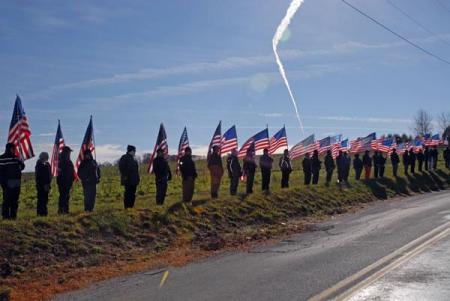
(19, 132)
(432, 141)
(339, 146)
(87, 144)
(216, 139)
(260, 139)
(362, 144)
(324, 145)
(57, 148)
(386, 145)
(184, 142)
(161, 143)
(307, 145)
(417, 144)
(401, 147)
(229, 140)
(278, 140)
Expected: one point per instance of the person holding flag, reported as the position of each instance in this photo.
(265, 163)
(65, 179)
(159, 156)
(249, 168)
(235, 172)
(215, 167)
(188, 174)
(129, 176)
(11, 168)
(43, 178)
(367, 162)
(357, 166)
(420, 158)
(286, 169)
(329, 166)
(163, 175)
(89, 174)
(395, 160)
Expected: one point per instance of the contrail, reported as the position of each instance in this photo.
(293, 7)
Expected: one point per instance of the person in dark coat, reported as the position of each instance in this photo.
(357, 166)
(329, 166)
(446, 155)
(347, 165)
(65, 178)
(286, 169)
(163, 175)
(265, 163)
(435, 155)
(412, 160)
(235, 172)
(89, 175)
(427, 158)
(367, 162)
(10, 178)
(316, 165)
(340, 162)
(381, 165)
(188, 175)
(129, 176)
(406, 161)
(249, 169)
(307, 169)
(215, 167)
(43, 179)
(420, 158)
(395, 160)
(376, 164)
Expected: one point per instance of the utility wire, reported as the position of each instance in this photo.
(416, 22)
(443, 5)
(397, 34)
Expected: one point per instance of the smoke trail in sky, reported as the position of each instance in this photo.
(293, 7)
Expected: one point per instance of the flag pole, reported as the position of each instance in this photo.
(93, 140)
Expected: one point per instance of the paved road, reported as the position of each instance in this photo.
(295, 269)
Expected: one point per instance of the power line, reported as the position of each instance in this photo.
(416, 22)
(443, 5)
(397, 34)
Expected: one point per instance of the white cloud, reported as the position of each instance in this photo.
(109, 152)
(360, 119)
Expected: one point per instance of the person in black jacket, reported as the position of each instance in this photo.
(446, 155)
(89, 174)
(376, 164)
(347, 164)
(307, 169)
(316, 165)
(286, 169)
(340, 162)
(66, 176)
(435, 155)
(265, 163)
(43, 179)
(406, 161)
(420, 159)
(381, 165)
(427, 157)
(412, 160)
(329, 166)
(215, 167)
(235, 171)
(395, 160)
(357, 166)
(188, 175)
(10, 178)
(367, 162)
(129, 176)
(163, 174)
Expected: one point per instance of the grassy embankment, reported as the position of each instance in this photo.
(42, 256)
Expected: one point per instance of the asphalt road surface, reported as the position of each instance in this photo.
(295, 269)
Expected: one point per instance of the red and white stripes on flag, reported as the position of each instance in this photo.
(57, 148)
(87, 144)
(229, 140)
(161, 143)
(305, 146)
(261, 141)
(19, 132)
(278, 141)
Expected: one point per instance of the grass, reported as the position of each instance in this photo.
(36, 247)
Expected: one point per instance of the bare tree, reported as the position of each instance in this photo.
(422, 122)
(444, 121)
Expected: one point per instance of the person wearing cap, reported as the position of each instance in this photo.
(43, 178)
(235, 172)
(65, 178)
(89, 175)
(10, 178)
(163, 174)
(285, 168)
(129, 176)
(248, 168)
(215, 167)
(395, 160)
(265, 163)
(329, 166)
(316, 165)
(188, 175)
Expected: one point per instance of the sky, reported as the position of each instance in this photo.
(135, 64)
